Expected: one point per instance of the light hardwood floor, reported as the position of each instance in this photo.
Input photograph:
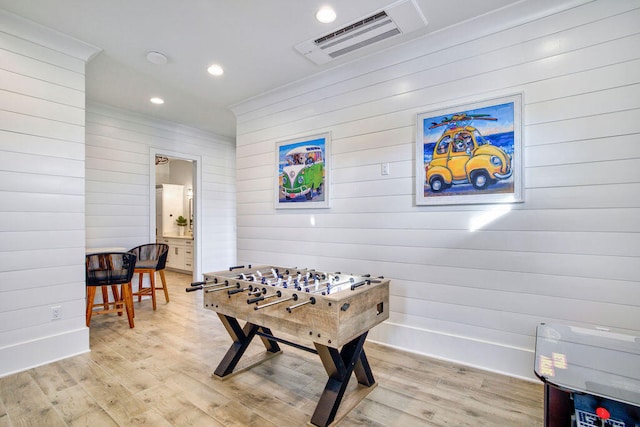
(159, 374)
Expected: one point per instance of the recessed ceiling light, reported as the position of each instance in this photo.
(156, 100)
(215, 70)
(156, 58)
(326, 15)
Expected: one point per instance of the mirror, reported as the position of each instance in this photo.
(190, 196)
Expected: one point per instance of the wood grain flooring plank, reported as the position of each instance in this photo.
(234, 414)
(4, 416)
(386, 415)
(175, 408)
(73, 403)
(26, 403)
(51, 379)
(206, 397)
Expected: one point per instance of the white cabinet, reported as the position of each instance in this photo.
(180, 255)
(188, 255)
(169, 206)
(176, 257)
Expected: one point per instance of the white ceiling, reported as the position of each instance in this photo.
(252, 39)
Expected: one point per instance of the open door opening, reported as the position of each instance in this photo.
(173, 218)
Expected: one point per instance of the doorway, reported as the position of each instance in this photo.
(174, 201)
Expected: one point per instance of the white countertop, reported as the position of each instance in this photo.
(171, 236)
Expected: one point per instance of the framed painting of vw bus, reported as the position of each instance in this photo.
(303, 172)
(470, 153)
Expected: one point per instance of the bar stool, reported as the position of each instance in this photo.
(110, 269)
(151, 257)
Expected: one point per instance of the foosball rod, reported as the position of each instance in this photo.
(237, 291)
(311, 301)
(237, 285)
(262, 298)
(257, 291)
(269, 304)
(281, 283)
(196, 286)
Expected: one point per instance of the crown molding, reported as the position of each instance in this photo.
(44, 36)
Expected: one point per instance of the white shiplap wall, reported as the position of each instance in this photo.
(569, 253)
(42, 194)
(118, 159)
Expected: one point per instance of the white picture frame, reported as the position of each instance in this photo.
(471, 153)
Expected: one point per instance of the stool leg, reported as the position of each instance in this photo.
(91, 294)
(164, 285)
(105, 297)
(116, 297)
(114, 291)
(133, 312)
(118, 305)
(152, 279)
(128, 302)
(140, 277)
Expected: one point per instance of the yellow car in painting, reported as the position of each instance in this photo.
(462, 155)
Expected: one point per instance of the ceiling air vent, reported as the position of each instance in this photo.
(398, 18)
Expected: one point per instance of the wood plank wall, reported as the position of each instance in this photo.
(49, 212)
(117, 181)
(570, 253)
(42, 77)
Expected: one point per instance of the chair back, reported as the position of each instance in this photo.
(110, 268)
(151, 255)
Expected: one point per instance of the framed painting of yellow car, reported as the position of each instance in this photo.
(303, 172)
(470, 153)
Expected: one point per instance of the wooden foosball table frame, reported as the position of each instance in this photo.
(333, 310)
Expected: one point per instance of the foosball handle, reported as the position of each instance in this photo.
(195, 287)
(236, 291)
(254, 300)
(357, 285)
(237, 267)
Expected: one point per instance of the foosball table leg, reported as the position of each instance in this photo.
(339, 367)
(242, 337)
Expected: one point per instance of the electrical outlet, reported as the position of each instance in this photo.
(56, 312)
(385, 169)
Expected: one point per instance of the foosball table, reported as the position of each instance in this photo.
(333, 311)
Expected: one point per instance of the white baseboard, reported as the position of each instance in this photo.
(30, 354)
(488, 356)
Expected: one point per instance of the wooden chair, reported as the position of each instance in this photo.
(151, 257)
(110, 269)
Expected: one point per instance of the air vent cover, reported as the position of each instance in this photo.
(398, 18)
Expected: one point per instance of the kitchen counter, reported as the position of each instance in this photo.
(175, 236)
(180, 255)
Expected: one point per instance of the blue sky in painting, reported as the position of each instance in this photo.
(503, 112)
(284, 149)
